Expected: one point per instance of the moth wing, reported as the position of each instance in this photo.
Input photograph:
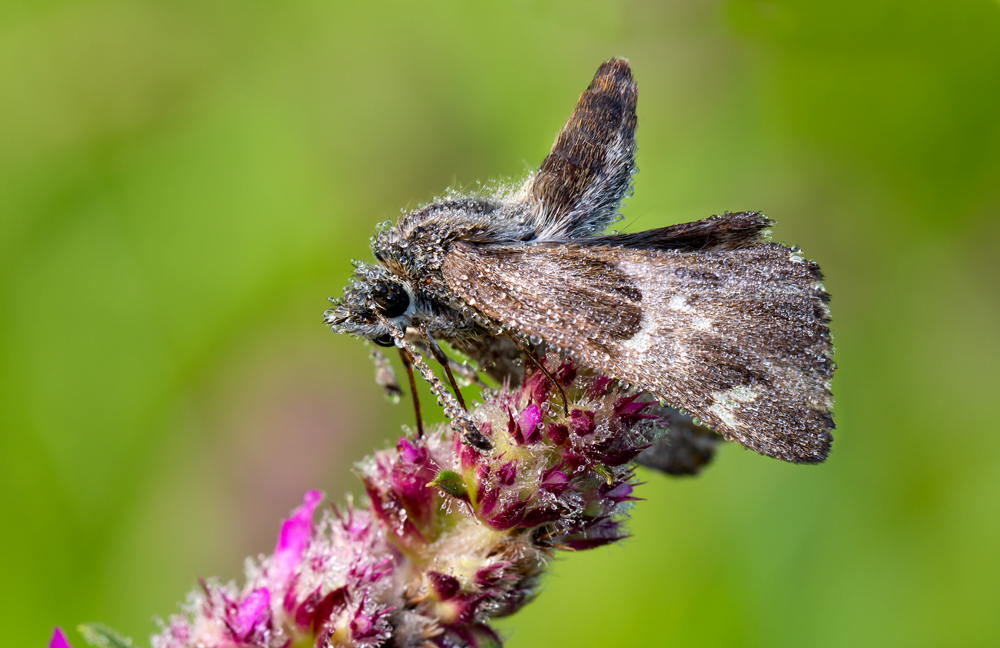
(727, 231)
(736, 337)
(578, 187)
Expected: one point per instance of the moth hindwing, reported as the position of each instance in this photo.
(707, 316)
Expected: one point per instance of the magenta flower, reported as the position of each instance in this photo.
(58, 639)
(293, 539)
(452, 538)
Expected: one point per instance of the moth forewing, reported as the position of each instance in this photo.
(736, 337)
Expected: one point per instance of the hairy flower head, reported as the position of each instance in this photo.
(452, 536)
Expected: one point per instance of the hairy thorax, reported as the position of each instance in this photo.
(415, 248)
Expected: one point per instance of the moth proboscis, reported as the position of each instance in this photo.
(710, 317)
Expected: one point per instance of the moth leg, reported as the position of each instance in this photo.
(404, 355)
(541, 365)
(458, 418)
(685, 450)
(385, 377)
(467, 373)
(445, 362)
(496, 356)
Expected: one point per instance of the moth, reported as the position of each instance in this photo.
(710, 317)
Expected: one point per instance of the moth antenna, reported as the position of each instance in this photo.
(445, 362)
(458, 419)
(541, 365)
(405, 357)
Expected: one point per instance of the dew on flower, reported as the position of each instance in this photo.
(451, 537)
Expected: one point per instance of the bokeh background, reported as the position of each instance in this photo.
(182, 185)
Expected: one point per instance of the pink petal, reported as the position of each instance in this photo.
(555, 481)
(445, 587)
(620, 492)
(293, 540)
(537, 387)
(582, 421)
(58, 639)
(408, 453)
(507, 472)
(556, 433)
(600, 386)
(361, 626)
(530, 418)
(253, 609)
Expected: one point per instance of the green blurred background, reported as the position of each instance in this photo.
(182, 185)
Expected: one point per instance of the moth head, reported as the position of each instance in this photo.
(372, 295)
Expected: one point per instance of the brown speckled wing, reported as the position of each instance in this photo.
(736, 337)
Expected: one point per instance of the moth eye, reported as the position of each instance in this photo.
(384, 341)
(391, 299)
